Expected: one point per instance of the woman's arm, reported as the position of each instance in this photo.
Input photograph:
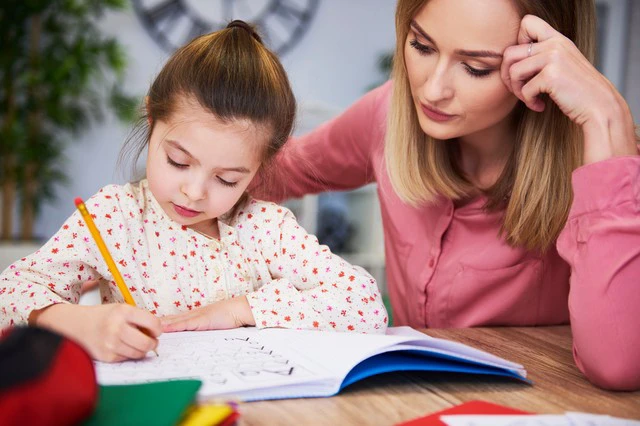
(601, 242)
(335, 156)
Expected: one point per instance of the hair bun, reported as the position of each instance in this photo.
(237, 23)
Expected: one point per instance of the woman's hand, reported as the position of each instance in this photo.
(546, 62)
(110, 333)
(230, 313)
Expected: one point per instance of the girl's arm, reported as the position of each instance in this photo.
(311, 287)
(44, 288)
(53, 274)
(335, 156)
(308, 287)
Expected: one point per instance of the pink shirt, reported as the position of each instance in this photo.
(447, 266)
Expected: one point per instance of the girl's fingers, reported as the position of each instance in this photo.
(144, 319)
(134, 343)
(89, 285)
(183, 323)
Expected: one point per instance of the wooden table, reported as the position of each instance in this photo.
(391, 398)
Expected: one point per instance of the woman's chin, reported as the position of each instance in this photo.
(442, 131)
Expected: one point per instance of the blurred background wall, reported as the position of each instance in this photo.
(332, 64)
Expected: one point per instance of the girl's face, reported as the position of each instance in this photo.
(199, 167)
(453, 54)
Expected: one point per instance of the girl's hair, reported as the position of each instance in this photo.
(535, 186)
(229, 73)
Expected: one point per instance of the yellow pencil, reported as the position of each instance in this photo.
(122, 286)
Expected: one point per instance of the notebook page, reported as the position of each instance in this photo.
(336, 352)
(228, 362)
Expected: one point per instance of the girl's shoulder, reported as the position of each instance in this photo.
(260, 211)
(130, 199)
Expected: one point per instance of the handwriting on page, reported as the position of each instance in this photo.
(226, 363)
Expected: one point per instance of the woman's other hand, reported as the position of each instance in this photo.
(546, 62)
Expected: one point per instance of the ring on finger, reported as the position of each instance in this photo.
(529, 49)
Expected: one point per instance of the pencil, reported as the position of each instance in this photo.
(122, 286)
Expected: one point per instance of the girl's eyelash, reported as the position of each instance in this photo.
(174, 164)
(426, 50)
(227, 183)
(184, 166)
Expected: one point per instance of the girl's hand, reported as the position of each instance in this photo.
(110, 333)
(230, 313)
(546, 62)
(87, 286)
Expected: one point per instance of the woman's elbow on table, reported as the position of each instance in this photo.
(619, 373)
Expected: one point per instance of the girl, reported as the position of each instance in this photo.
(196, 252)
(507, 172)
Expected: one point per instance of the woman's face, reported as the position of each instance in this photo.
(453, 54)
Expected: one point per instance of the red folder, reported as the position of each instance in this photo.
(471, 407)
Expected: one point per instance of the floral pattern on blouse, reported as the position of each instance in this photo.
(290, 280)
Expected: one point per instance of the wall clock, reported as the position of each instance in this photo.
(173, 23)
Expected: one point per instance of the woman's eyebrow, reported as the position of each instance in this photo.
(461, 52)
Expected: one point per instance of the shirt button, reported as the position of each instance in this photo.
(431, 263)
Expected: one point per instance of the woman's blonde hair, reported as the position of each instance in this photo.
(535, 186)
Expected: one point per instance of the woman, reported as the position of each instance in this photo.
(508, 176)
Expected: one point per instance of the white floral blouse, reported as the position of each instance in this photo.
(290, 280)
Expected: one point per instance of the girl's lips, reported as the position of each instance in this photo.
(183, 211)
(435, 115)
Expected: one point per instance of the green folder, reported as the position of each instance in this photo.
(156, 403)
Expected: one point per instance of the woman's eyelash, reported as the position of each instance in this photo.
(227, 183)
(424, 50)
(174, 164)
(474, 72)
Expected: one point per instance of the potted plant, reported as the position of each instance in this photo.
(58, 72)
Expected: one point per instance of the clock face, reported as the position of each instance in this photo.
(173, 23)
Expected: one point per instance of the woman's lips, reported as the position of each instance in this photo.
(183, 211)
(436, 115)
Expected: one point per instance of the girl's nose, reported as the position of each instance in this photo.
(194, 190)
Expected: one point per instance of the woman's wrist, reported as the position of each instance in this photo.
(610, 132)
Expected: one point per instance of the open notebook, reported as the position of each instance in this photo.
(250, 364)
